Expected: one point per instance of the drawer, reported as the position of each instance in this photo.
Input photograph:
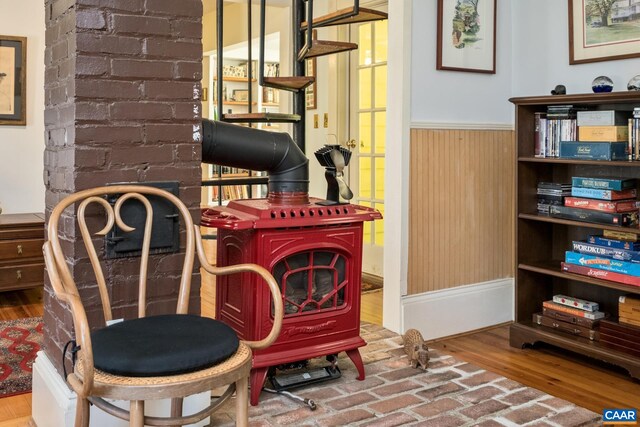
(22, 233)
(21, 249)
(22, 276)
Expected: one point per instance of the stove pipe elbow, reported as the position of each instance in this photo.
(259, 150)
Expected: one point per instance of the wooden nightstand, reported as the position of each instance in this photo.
(21, 261)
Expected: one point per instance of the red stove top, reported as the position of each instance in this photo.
(260, 214)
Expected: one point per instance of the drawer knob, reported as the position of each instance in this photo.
(18, 274)
(19, 249)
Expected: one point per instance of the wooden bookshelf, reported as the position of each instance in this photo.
(541, 240)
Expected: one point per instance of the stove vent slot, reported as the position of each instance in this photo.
(312, 212)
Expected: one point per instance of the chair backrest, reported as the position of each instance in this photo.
(61, 278)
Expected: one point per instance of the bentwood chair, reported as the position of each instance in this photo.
(161, 356)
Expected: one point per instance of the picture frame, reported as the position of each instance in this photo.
(13, 81)
(240, 95)
(310, 91)
(467, 36)
(592, 39)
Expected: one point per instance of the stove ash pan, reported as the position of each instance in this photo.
(260, 213)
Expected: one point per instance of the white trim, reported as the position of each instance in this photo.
(461, 309)
(54, 403)
(396, 221)
(462, 126)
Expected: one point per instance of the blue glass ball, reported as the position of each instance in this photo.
(602, 84)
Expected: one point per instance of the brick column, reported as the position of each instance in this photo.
(122, 91)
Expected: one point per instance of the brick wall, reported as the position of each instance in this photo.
(122, 89)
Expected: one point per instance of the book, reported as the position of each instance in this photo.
(602, 205)
(632, 313)
(593, 315)
(592, 193)
(540, 138)
(617, 184)
(606, 251)
(622, 219)
(601, 274)
(630, 300)
(603, 133)
(601, 263)
(633, 322)
(602, 117)
(614, 243)
(576, 302)
(593, 150)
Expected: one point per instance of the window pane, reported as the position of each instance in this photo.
(365, 177)
(364, 88)
(379, 180)
(381, 86)
(366, 232)
(364, 44)
(381, 41)
(364, 132)
(380, 134)
(379, 226)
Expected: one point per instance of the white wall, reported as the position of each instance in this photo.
(541, 53)
(22, 147)
(453, 96)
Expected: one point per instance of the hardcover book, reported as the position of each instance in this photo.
(593, 150)
(604, 183)
(601, 263)
(592, 193)
(624, 219)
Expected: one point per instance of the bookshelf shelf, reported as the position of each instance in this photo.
(542, 240)
(546, 218)
(235, 79)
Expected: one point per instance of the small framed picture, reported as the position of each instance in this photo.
(240, 95)
(310, 91)
(467, 36)
(13, 81)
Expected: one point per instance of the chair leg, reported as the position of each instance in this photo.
(176, 408)
(136, 413)
(242, 402)
(82, 412)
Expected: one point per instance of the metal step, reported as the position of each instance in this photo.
(261, 118)
(292, 84)
(346, 16)
(326, 47)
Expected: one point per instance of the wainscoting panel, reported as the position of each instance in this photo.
(461, 188)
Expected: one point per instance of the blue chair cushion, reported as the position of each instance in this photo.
(162, 345)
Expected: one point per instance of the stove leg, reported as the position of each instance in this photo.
(257, 379)
(354, 355)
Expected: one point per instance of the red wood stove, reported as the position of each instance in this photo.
(315, 253)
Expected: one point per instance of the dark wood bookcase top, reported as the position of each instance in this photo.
(542, 240)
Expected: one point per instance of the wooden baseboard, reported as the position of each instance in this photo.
(475, 331)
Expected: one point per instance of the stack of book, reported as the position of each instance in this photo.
(551, 194)
(620, 336)
(557, 124)
(629, 309)
(610, 201)
(609, 257)
(571, 315)
(602, 135)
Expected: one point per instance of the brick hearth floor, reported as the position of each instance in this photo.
(449, 393)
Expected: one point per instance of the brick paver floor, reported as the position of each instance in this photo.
(449, 393)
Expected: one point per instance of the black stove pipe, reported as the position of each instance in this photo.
(259, 150)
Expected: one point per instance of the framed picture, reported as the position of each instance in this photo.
(241, 95)
(310, 91)
(467, 35)
(603, 30)
(13, 80)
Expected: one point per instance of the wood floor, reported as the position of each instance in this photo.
(566, 375)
